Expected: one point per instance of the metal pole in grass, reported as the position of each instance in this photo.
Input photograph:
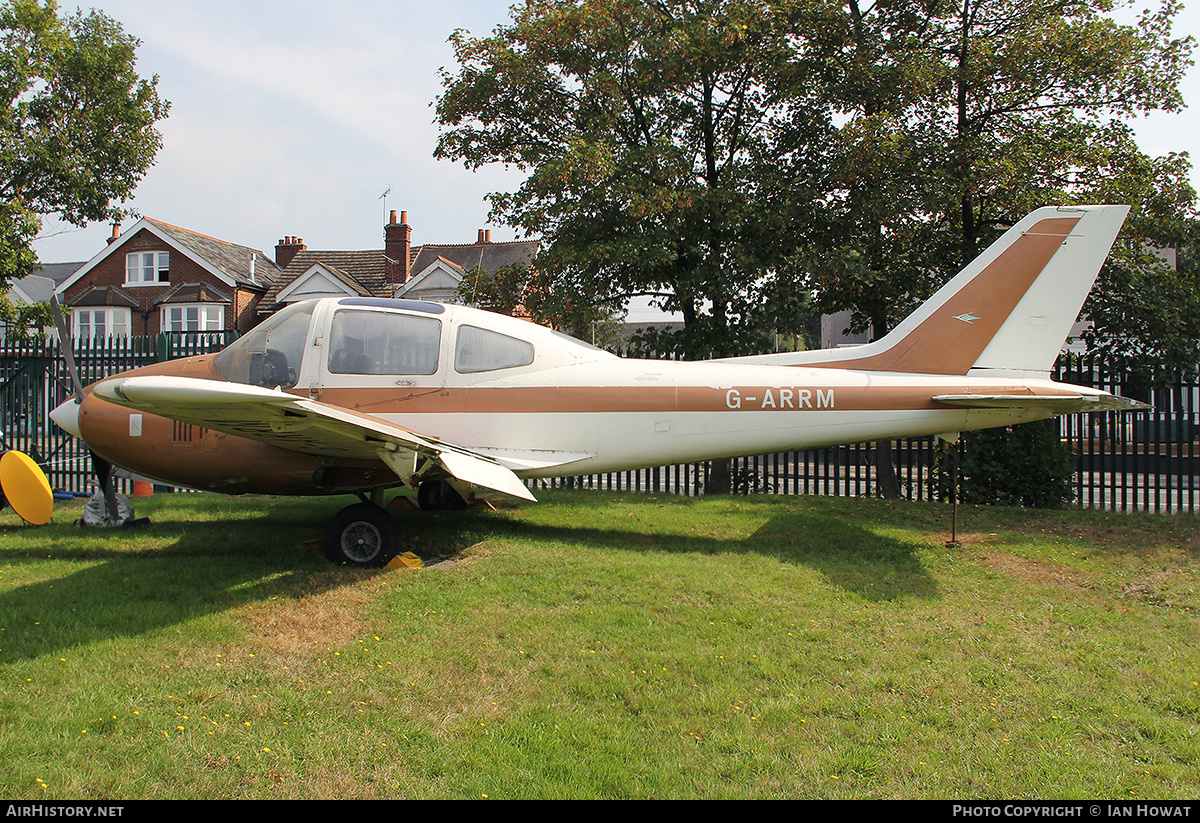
(950, 444)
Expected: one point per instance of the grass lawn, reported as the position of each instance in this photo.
(603, 645)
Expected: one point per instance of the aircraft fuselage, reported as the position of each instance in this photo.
(570, 410)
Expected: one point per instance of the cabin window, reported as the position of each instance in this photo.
(485, 350)
(269, 355)
(376, 342)
(147, 267)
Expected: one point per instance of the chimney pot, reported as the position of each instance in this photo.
(392, 218)
(289, 246)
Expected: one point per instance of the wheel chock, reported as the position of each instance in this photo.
(408, 560)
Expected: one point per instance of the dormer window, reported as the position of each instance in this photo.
(144, 268)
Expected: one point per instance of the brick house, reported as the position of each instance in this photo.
(157, 277)
(400, 269)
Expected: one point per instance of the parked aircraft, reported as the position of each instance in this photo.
(358, 395)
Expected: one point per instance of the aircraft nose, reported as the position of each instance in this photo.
(66, 415)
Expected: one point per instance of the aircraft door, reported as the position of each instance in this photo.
(382, 348)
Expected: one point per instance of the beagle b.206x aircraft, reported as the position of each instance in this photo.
(358, 395)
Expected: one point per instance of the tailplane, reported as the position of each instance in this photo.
(1006, 314)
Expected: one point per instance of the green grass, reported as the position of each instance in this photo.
(602, 645)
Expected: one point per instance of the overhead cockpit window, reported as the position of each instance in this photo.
(269, 354)
(377, 342)
(485, 350)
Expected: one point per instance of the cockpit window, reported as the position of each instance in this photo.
(269, 355)
(376, 342)
(485, 350)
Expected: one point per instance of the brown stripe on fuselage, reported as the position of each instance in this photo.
(652, 399)
(942, 344)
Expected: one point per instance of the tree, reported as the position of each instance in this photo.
(654, 137)
(502, 291)
(1023, 465)
(961, 117)
(1145, 308)
(77, 127)
(730, 157)
(665, 142)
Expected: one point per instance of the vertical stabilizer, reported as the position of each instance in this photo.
(1007, 313)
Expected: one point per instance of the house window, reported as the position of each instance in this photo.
(146, 267)
(196, 317)
(100, 324)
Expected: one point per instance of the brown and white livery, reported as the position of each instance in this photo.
(357, 395)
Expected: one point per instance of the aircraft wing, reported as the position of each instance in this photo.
(1058, 404)
(290, 422)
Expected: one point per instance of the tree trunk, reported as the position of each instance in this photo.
(887, 484)
(719, 480)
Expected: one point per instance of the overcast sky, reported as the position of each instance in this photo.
(293, 117)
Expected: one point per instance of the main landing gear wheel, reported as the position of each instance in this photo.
(438, 494)
(361, 535)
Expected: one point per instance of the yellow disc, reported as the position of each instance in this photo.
(26, 487)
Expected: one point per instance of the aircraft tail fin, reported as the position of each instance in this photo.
(1007, 313)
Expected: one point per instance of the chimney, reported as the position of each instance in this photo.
(397, 241)
(116, 233)
(287, 249)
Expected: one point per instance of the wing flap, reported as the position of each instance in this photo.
(294, 423)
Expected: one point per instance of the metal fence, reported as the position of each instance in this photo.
(34, 380)
(1148, 460)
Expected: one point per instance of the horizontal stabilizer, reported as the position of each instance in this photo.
(1060, 404)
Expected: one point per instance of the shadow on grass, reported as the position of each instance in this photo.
(207, 555)
(849, 556)
(131, 582)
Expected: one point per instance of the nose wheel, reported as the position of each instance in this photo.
(361, 535)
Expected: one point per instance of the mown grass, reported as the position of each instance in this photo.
(601, 645)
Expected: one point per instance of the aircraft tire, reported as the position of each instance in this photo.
(361, 535)
(438, 494)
